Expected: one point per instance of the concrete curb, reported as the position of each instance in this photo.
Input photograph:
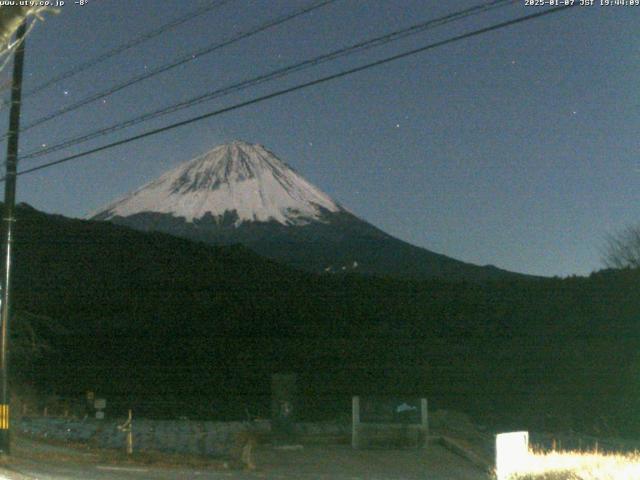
(7, 473)
(457, 448)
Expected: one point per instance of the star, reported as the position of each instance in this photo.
(397, 125)
(65, 92)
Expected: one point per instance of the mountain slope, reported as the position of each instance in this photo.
(172, 327)
(242, 193)
(244, 180)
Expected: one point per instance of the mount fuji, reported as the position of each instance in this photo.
(241, 193)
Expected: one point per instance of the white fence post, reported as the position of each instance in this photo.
(424, 417)
(355, 415)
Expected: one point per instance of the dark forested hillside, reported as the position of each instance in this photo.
(171, 327)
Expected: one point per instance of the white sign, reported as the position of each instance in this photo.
(512, 450)
(100, 404)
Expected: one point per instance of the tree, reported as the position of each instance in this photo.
(622, 249)
(30, 339)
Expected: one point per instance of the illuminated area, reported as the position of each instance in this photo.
(512, 450)
(582, 465)
(516, 461)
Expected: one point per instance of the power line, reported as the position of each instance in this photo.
(279, 73)
(298, 87)
(124, 47)
(176, 63)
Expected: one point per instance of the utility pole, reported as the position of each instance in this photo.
(8, 221)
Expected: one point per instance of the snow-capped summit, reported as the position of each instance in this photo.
(240, 193)
(238, 179)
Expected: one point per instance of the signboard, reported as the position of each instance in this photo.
(390, 410)
(397, 421)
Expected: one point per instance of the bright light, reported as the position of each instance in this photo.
(582, 465)
(515, 460)
(512, 450)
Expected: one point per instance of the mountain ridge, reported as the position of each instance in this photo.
(242, 193)
(174, 326)
(234, 177)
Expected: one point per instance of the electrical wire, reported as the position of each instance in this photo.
(295, 88)
(279, 73)
(37, 14)
(122, 48)
(176, 63)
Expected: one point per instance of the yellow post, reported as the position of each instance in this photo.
(4, 417)
(130, 435)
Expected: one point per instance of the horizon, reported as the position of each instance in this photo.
(511, 149)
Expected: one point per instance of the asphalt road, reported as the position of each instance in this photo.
(334, 462)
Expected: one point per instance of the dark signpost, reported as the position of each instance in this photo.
(283, 405)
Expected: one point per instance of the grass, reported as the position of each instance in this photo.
(578, 466)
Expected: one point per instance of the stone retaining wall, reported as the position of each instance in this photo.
(176, 436)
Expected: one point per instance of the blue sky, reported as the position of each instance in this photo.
(517, 148)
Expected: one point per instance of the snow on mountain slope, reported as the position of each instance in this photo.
(241, 193)
(239, 178)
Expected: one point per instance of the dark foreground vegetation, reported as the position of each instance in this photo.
(174, 327)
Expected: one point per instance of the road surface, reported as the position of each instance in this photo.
(318, 462)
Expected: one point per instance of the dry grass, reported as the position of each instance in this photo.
(579, 466)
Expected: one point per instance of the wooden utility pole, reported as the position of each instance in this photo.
(8, 221)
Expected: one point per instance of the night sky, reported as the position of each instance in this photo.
(517, 148)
